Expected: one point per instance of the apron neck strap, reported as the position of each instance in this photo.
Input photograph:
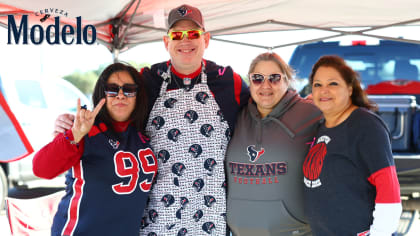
(167, 78)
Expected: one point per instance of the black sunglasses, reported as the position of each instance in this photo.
(258, 78)
(129, 90)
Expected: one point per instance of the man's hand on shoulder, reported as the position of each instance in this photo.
(63, 123)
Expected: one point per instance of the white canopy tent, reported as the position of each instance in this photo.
(122, 24)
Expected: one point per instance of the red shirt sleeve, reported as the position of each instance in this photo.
(387, 186)
(58, 156)
(237, 87)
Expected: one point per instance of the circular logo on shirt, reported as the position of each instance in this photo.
(195, 150)
(163, 155)
(202, 97)
(191, 116)
(158, 122)
(170, 103)
(197, 215)
(206, 130)
(312, 166)
(167, 200)
(209, 165)
(173, 134)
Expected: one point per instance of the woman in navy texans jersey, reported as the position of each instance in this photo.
(351, 185)
(109, 161)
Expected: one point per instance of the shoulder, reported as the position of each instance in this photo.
(155, 69)
(160, 65)
(248, 109)
(364, 116)
(212, 66)
(307, 106)
(303, 116)
(367, 121)
(215, 71)
(152, 75)
(246, 115)
(303, 108)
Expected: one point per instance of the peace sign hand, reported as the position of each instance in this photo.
(84, 120)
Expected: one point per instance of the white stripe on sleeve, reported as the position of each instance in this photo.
(385, 219)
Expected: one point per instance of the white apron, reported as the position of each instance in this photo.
(189, 136)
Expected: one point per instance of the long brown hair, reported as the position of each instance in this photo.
(139, 114)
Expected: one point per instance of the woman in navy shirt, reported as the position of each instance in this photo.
(351, 185)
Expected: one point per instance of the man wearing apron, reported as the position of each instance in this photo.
(194, 104)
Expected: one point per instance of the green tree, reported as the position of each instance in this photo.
(84, 81)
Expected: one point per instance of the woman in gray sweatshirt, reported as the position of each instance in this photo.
(264, 158)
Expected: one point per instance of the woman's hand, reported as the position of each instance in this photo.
(84, 120)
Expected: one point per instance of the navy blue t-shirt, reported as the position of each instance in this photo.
(339, 199)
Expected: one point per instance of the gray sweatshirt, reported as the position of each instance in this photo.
(264, 168)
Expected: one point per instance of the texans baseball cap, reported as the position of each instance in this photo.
(185, 12)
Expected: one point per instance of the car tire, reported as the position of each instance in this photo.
(3, 188)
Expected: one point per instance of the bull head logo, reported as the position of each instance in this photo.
(253, 154)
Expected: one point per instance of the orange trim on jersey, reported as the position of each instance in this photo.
(237, 80)
(387, 186)
(74, 206)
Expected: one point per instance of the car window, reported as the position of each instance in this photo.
(30, 93)
(372, 72)
(374, 63)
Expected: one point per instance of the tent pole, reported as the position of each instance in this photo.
(115, 54)
(129, 24)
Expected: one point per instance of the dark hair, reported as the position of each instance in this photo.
(139, 114)
(274, 57)
(351, 77)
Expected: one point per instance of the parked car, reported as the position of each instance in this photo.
(389, 72)
(36, 103)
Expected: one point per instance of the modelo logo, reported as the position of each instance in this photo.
(81, 33)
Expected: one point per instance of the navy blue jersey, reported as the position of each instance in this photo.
(108, 188)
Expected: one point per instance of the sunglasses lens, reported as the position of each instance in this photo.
(274, 78)
(257, 78)
(111, 90)
(130, 90)
(179, 35)
(176, 35)
(193, 34)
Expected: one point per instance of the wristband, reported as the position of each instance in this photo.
(72, 142)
